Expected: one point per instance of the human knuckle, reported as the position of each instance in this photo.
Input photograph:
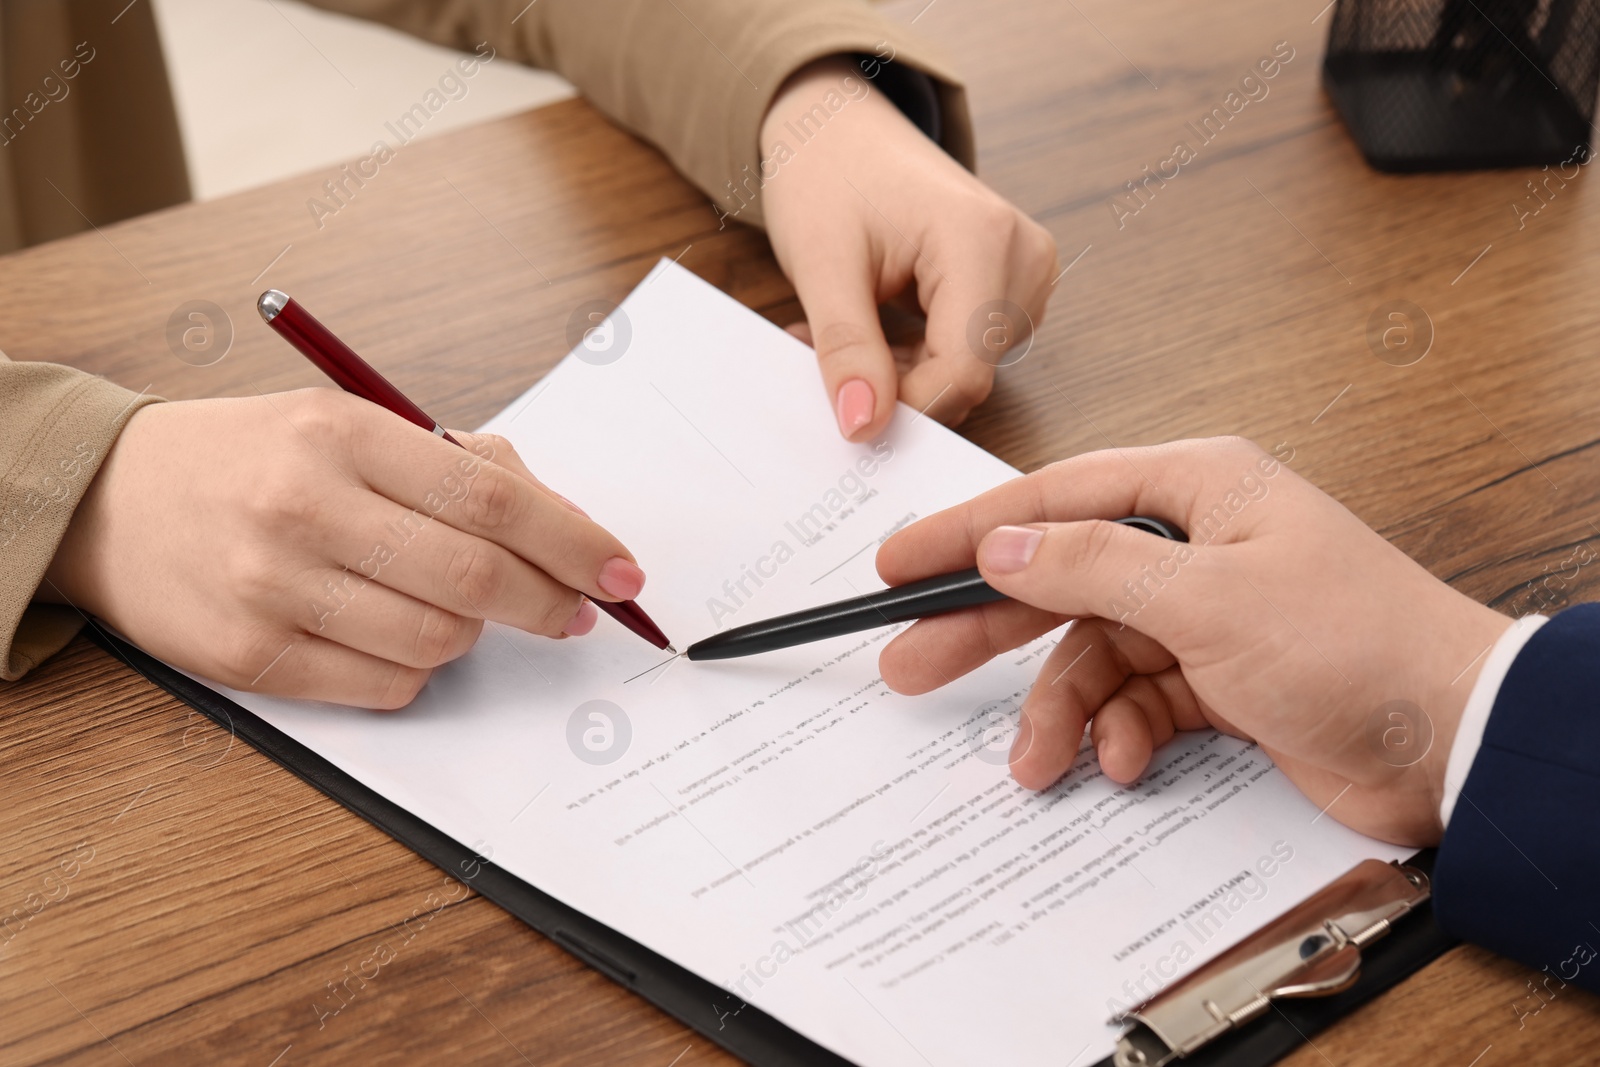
(1158, 702)
(833, 338)
(274, 498)
(1039, 248)
(246, 653)
(1112, 652)
(1046, 476)
(972, 381)
(255, 574)
(1092, 546)
(492, 503)
(494, 447)
(318, 414)
(996, 218)
(396, 686)
(477, 572)
(1076, 695)
(1040, 238)
(437, 639)
(557, 610)
(1235, 445)
(304, 510)
(995, 639)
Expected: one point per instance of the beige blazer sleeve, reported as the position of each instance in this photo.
(59, 425)
(694, 77)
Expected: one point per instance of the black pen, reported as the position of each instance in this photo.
(902, 603)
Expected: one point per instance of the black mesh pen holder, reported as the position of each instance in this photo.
(1458, 84)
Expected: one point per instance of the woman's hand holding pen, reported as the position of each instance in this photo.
(311, 544)
(1288, 621)
(868, 212)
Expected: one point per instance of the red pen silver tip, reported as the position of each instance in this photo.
(270, 303)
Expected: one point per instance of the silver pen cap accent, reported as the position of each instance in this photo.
(270, 303)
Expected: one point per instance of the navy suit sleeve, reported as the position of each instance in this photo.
(1518, 871)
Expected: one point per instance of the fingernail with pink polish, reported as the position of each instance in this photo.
(569, 503)
(583, 621)
(1010, 548)
(621, 578)
(854, 405)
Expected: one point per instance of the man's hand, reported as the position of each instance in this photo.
(1286, 621)
(866, 210)
(311, 544)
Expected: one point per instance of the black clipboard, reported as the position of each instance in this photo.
(709, 1009)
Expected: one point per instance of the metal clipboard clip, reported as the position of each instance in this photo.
(1313, 950)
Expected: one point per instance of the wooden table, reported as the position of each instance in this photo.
(215, 895)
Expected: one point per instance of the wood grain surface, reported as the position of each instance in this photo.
(183, 900)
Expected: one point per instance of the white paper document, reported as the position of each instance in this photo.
(856, 863)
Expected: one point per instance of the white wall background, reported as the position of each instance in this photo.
(270, 88)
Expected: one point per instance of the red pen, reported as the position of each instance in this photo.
(355, 375)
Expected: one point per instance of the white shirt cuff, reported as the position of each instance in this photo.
(1475, 716)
